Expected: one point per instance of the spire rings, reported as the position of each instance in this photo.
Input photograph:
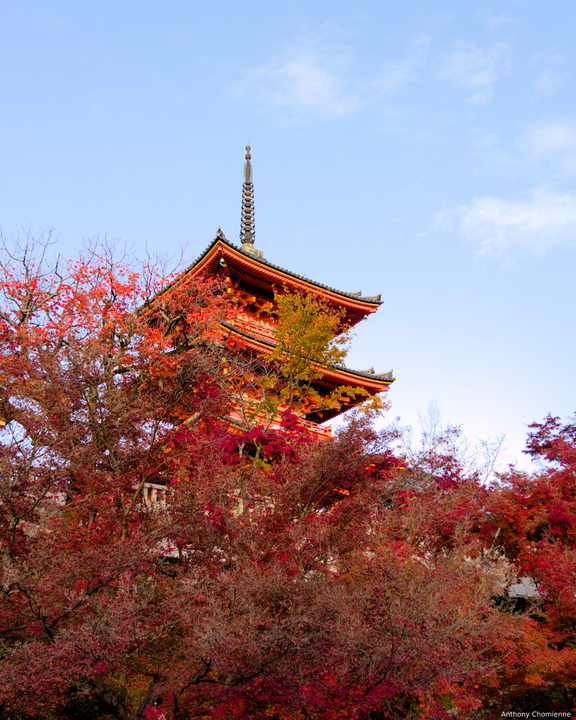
(247, 223)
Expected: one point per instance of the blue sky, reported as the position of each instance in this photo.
(422, 150)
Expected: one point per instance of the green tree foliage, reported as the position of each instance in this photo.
(310, 337)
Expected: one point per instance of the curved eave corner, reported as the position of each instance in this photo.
(225, 248)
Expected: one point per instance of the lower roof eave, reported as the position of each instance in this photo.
(337, 375)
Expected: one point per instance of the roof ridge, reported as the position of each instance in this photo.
(374, 299)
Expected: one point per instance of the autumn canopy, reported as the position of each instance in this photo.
(175, 545)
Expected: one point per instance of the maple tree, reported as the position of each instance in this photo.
(96, 371)
(309, 336)
(353, 581)
(532, 519)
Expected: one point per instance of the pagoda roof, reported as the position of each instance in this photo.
(337, 375)
(380, 381)
(264, 270)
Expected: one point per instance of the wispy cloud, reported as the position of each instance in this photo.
(550, 77)
(313, 76)
(396, 74)
(472, 68)
(546, 147)
(493, 157)
(550, 140)
(495, 22)
(310, 77)
(545, 220)
(548, 81)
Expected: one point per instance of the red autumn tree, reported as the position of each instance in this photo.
(532, 519)
(96, 372)
(348, 584)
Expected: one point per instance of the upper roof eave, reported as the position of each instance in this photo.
(374, 300)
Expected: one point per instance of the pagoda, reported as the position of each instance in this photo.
(252, 281)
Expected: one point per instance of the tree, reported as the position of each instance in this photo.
(352, 585)
(532, 518)
(310, 336)
(100, 378)
(268, 387)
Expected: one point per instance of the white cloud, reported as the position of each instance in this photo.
(496, 226)
(549, 78)
(495, 22)
(550, 140)
(547, 82)
(313, 77)
(473, 69)
(493, 157)
(310, 77)
(394, 75)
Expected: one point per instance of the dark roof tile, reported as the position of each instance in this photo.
(374, 299)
